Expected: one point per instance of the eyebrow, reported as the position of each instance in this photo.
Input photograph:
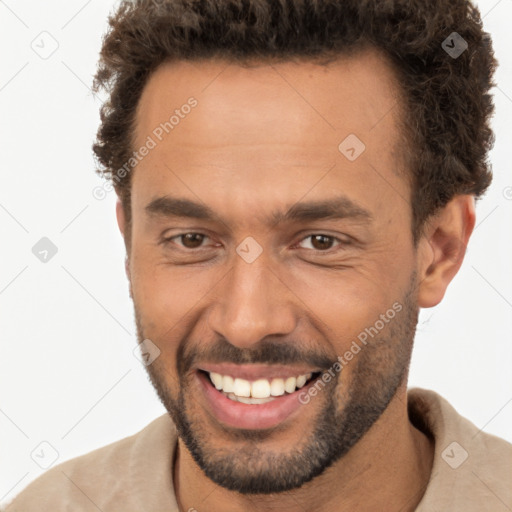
(340, 207)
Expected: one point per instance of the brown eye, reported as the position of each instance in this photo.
(321, 242)
(192, 240)
(318, 242)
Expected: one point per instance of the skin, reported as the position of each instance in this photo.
(260, 140)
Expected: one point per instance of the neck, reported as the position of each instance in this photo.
(390, 465)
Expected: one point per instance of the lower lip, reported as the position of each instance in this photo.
(250, 416)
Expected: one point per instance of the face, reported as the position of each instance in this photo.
(263, 253)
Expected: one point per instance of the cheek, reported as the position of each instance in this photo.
(344, 301)
(167, 298)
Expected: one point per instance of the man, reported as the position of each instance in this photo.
(295, 179)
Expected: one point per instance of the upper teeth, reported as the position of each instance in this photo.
(261, 388)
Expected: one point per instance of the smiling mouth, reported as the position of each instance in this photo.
(258, 391)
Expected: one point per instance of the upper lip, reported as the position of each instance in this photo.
(252, 372)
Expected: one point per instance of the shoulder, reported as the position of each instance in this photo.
(108, 478)
(472, 469)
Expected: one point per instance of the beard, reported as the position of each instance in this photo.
(349, 409)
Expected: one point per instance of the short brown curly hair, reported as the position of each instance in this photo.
(447, 102)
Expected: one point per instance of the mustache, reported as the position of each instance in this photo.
(265, 352)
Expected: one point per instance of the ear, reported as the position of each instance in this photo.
(121, 222)
(442, 248)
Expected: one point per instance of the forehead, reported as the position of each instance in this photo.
(258, 132)
(351, 93)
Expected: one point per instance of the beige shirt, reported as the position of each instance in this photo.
(472, 470)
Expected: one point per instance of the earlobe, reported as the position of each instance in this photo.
(121, 222)
(127, 271)
(443, 247)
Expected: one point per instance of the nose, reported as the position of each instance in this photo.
(250, 303)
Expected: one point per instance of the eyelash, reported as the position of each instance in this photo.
(333, 238)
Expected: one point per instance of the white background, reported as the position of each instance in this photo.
(67, 372)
